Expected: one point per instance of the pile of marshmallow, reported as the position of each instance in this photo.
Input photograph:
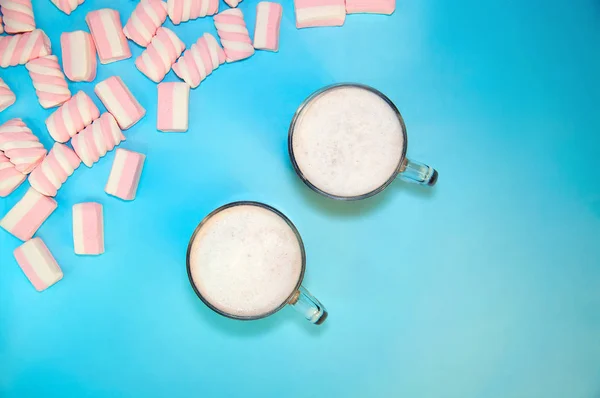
(91, 134)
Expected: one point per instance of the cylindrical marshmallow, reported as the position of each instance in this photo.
(22, 48)
(54, 170)
(10, 177)
(49, 81)
(233, 3)
(67, 6)
(370, 6)
(173, 107)
(28, 214)
(7, 97)
(38, 264)
(200, 60)
(311, 13)
(107, 31)
(156, 60)
(119, 101)
(21, 146)
(125, 174)
(78, 56)
(234, 34)
(97, 139)
(145, 19)
(268, 22)
(185, 10)
(72, 117)
(88, 228)
(18, 16)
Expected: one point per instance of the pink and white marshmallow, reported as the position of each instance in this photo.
(162, 52)
(370, 6)
(22, 48)
(38, 264)
(145, 19)
(97, 139)
(7, 97)
(10, 177)
(18, 16)
(233, 3)
(107, 31)
(268, 23)
(173, 107)
(28, 214)
(54, 170)
(184, 10)
(119, 101)
(49, 81)
(312, 13)
(88, 228)
(67, 6)
(125, 174)
(79, 56)
(200, 60)
(234, 36)
(72, 117)
(21, 146)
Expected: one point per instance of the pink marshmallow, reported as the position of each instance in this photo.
(173, 107)
(18, 16)
(21, 146)
(54, 170)
(88, 228)
(10, 177)
(200, 60)
(119, 101)
(107, 31)
(233, 3)
(268, 22)
(26, 217)
(156, 60)
(78, 56)
(145, 19)
(125, 174)
(184, 10)
(370, 6)
(22, 48)
(67, 6)
(97, 139)
(49, 81)
(7, 97)
(38, 264)
(234, 36)
(72, 117)
(311, 13)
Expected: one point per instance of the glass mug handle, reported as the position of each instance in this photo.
(308, 305)
(419, 173)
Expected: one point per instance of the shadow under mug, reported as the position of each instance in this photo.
(407, 170)
(300, 299)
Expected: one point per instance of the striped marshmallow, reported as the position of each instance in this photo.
(107, 31)
(67, 6)
(184, 10)
(145, 19)
(233, 3)
(18, 16)
(156, 60)
(125, 174)
(119, 101)
(370, 6)
(200, 60)
(88, 228)
(22, 48)
(97, 139)
(72, 117)
(234, 34)
(21, 146)
(7, 97)
(49, 81)
(10, 177)
(268, 22)
(173, 107)
(38, 264)
(78, 56)
(311, 13)
(28, 214)
(54, 170)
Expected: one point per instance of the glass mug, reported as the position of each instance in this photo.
(246, 261)
(349, 142)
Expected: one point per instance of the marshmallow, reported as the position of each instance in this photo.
(7, 97)
(54, 170)
(119, 101)
(88, 228)
(370, 6)
(173, 107)
(78, 56)
(26, 217)
(72, 117)
(156, 60)
(1, 26)
(97, 139)
(311, 13)
(67, 6)
(185, 10)
(38, 264)
(10, 177)
(234, 34)
(200, 60)
(107, 31)
(125, 174)
(18, 16)
(49, 81)
(22, 48)
(145, 19)
(266, 30)
(233, 3)
(21, 146)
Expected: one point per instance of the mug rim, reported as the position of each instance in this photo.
(228, 206)
(292, 127)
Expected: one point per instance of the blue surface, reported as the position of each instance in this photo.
(487, 285)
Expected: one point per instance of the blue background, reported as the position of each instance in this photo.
(487, 285)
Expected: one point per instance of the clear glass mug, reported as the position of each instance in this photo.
(407, 170)
(300, 298)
